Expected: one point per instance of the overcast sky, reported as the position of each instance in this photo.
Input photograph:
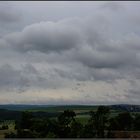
(69, 52)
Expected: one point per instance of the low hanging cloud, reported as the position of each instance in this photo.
(91, 48)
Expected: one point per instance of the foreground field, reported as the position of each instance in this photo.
(11, 127)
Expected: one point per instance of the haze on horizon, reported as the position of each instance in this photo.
(69, 52)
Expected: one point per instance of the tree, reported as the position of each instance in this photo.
(125, 121)
(121, 122)
(88, 130)
(76, 129)
(26, 121)
(114, 124)
(64, 121)
(4, 127)
(66, 117)
(10, 135)
(99, 120)
(137, 123)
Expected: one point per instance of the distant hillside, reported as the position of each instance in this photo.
(125, 107)
(21, 107)
(121, 107)
(16, 115)
(47, 107)
(13, 112)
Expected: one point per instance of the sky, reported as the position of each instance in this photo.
(69, 52)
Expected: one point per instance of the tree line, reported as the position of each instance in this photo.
(99, 125)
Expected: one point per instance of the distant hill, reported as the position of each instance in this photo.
(126, 107)
(21, 107)
(121, 107)
(13, 112)
(6, 114)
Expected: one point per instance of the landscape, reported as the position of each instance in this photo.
(69, 121)
(69, 69)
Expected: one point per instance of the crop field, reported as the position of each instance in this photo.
(82, 112)
(83, 119)
(77, 109)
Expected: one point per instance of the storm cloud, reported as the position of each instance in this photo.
(92, 57)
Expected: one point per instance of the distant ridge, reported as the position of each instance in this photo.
(126, 107)
(20, 107)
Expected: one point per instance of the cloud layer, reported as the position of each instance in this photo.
(93, 58)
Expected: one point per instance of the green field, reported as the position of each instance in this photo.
(82, 118)
(62, 108)
(79, 110)
(82, 112)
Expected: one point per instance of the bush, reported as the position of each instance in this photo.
(4, 127)
(10, 135)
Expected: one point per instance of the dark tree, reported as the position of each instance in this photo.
(88, 130)
(114, 124)
(121, 122)
(26, 121)
(99, 120)
(76, 129)
(64, 121)
(10, 135)
(66, 117)
(125, 121)
(137, 123)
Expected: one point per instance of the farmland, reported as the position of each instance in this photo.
(10, 114)
(13, 112)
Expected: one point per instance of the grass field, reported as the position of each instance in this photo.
(62, 108)
(82, 118)
(82, 112)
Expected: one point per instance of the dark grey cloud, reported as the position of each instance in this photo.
(27, 77)
(44, 37)
(93, 49)
(95, 57)
(18, 79)
(76, 42)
